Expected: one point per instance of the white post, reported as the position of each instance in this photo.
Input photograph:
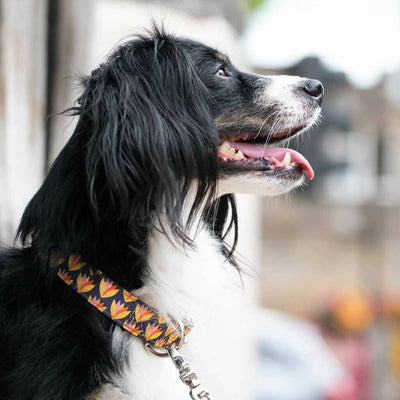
(23, 26)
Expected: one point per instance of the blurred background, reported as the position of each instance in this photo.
(327, 257)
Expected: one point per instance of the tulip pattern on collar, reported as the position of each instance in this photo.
(120, 305)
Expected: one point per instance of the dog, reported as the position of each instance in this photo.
(168, 130)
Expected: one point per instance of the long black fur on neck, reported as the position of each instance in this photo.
(145, 135)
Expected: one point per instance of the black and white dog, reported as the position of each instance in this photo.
(168, 129)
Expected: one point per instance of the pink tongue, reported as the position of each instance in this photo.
(260, 151)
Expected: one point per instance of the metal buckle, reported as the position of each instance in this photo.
(153, 350)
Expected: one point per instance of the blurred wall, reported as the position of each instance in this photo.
(22, 107)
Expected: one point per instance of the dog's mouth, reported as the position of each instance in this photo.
(253, 152)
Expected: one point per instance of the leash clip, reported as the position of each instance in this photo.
(189, 377)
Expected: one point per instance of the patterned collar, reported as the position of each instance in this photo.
(121, 306)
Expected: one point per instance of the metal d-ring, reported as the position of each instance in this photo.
(165, 353)
(153, 350)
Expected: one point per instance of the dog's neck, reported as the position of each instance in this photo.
(179, 275)
(196, 282)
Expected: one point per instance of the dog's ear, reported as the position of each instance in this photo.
(151, 133)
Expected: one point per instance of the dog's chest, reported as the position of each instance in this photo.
(196, 283)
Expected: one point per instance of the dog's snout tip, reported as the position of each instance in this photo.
(313, 88)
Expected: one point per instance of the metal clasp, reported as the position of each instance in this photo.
(188, 376)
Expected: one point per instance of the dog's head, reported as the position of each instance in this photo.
(165, 112)
(162, 122)
(252, 113)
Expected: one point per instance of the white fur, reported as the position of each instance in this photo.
(291, 111)
(108, 392)
(252, 182)
(196, 283)
(280, 90)
(200, 284)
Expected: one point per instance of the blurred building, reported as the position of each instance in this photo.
(340, 232)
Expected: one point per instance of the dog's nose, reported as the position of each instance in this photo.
(313, 88)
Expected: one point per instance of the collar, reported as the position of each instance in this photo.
(118, 304)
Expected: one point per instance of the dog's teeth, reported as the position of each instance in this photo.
(239, 155)
(294, 164)
(227, 149)
(224, 146)
(286, 159)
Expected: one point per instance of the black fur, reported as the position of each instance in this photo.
(145, 133)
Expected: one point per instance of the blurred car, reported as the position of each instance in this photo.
(294, 362)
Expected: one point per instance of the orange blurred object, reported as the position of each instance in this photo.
(353, 311)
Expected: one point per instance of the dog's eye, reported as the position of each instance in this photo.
(222, 71)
